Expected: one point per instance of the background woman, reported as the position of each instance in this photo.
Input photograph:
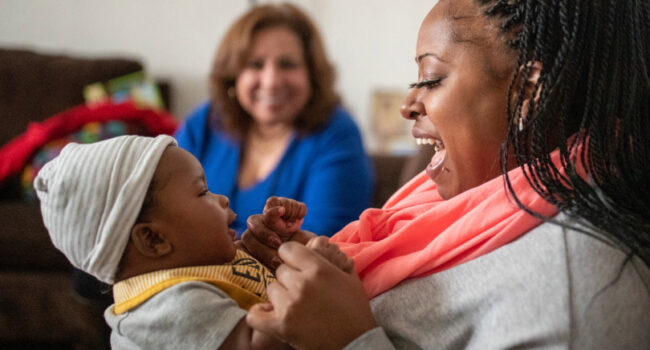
(535, 107)
(274, 125)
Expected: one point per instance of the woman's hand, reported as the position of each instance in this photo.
(261, 242)
(313, 304)
(331, 253)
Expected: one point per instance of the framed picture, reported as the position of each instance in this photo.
(391, 131)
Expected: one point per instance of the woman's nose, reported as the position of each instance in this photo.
(270, 76)
(412, 108)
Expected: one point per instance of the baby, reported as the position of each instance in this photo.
(136, 212)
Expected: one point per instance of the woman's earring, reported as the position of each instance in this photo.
(519, 117)
(232, 93)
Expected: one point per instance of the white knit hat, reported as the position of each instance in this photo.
(91, 195)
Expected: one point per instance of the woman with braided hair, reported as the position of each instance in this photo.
(530, 227)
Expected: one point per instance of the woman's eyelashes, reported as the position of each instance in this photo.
(429, 84)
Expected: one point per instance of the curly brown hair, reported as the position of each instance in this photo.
(232, 56)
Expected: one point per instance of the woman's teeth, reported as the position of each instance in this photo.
(422, 141)
(271, 99)
(437, 145)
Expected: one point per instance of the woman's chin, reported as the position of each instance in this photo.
(445, 184)
(444, 192)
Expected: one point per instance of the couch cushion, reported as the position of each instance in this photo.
(34, 86)
(17, 153)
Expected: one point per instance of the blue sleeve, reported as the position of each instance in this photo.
(340, 181)
(191, 133)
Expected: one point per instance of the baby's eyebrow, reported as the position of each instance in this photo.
(199, 179)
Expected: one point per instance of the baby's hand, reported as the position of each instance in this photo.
(284, 216)
(331, 252)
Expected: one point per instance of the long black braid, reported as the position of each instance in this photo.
(593, 105)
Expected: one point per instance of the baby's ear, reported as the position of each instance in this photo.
(150, 242)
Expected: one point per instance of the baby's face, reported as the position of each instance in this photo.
(191, 217)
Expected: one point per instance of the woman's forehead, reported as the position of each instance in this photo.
(464, 18)
(453, 26)
(446, 25)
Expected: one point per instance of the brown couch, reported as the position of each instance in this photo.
(39, 306)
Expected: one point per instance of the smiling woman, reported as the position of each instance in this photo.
(520, 234)
(274, 125)
(271, 101)
(457, 62)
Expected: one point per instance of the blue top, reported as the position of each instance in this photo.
(328, 170)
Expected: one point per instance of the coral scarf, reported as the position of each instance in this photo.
(417, 233)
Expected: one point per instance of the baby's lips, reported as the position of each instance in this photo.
(232, 216)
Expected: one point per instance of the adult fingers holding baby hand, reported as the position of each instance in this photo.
(331, 252)
(311, 295)
(261, 242)
(258, 229)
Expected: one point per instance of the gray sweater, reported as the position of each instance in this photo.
(552, 288)
(189, 315)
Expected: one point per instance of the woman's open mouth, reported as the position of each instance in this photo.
(437, 144)
(435, 166)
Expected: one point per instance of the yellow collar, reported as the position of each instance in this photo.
(243, 279)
